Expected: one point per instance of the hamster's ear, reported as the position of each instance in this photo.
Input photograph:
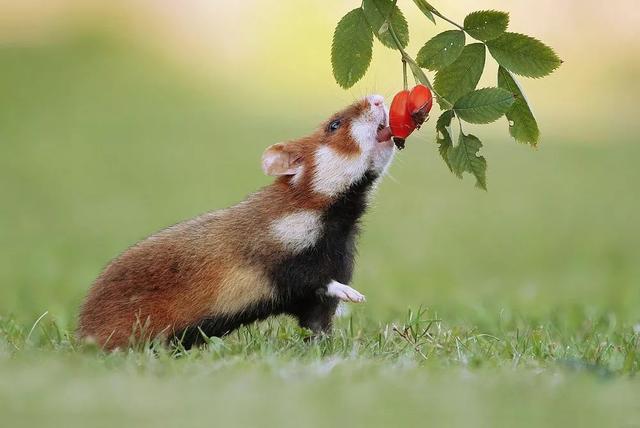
(282, 159)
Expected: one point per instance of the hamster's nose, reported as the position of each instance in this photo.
(376, 100)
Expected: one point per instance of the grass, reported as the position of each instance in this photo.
(525, 304)
(420, 369)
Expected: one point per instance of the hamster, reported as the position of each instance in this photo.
(287, 249)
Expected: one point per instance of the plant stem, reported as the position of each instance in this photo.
(415, 68)
(404, 74)
(439, 15)
(405, 56)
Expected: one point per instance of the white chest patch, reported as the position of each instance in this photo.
(297, 231)
(336, 172)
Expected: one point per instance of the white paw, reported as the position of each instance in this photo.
(344, 292)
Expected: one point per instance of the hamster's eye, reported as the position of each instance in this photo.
(334, 125)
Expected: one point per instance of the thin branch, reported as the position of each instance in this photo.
(404, 74)
(416, 70)
(439, 15)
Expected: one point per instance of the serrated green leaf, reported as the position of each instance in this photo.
(484, 105)
(442, 50)
(464, 158)
(461, 76)
(444, 121)
(522, 123)
(351, 49)
(376, 12)
(426, 9)
(524, 55)
(486, 24)
(444, 136)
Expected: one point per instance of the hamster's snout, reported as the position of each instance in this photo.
(381, 117)
(369, 123)
(378, 111)
(378, 108)
(376, 100)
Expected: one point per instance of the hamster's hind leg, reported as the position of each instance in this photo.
(317, 313)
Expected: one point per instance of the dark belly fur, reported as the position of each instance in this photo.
(301, 280)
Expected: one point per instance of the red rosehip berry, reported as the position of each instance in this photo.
(419, 104)
(400, 121)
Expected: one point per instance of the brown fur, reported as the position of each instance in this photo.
(213, 264)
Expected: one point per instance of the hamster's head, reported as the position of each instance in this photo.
(339, 154)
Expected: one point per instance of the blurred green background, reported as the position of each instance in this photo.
(118, 120)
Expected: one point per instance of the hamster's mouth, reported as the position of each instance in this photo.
(383, 133)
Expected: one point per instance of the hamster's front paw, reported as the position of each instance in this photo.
(344, 292)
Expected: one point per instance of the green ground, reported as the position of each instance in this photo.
(530, 293)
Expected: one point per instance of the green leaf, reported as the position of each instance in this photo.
(522, 123)
(486, 24)
(441, 50)
(484, 105)
(464, 158)
(524, 55)
(462, 76)
(418, 74)
(444, 136)
(351, 49)
(444, 121)
(376, 12)
(426, 8)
